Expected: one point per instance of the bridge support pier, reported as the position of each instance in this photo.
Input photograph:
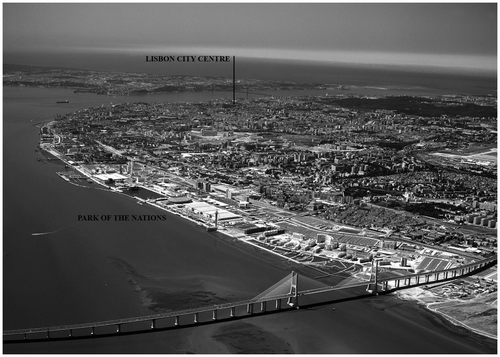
(386, 284)
(293, 301)
(294, 291)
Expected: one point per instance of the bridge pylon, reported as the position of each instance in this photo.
(373, 287)
(294, 291)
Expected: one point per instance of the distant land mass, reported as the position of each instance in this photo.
(435, 80)
(128, 83)
(420, 106)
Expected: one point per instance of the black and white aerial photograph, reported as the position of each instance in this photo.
(249, 178)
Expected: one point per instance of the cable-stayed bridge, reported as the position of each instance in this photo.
(282, 296)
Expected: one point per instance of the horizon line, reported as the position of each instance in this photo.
(340, 56)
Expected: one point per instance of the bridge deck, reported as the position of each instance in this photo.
(484, 262)
(139, 318)
(275, 293)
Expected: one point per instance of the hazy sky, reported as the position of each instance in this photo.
(445, 34)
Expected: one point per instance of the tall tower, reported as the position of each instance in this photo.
(374, 278)
(294, 300)
(130, 167)
(234, 80)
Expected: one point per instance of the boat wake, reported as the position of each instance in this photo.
(45, 233)
(42, 234)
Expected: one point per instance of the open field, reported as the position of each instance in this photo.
(479, 314)
(476, 154)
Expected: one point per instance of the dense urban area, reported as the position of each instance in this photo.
(409, 182)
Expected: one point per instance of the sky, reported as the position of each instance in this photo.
(461, 35)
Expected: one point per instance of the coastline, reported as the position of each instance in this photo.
(403, 295)
(415, 295)
(282, 333)
(225, 231)
(458, 323)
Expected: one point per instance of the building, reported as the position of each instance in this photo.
(204, 186)
(389, 244)
(113, 178)
(209, 211)
(488, 206)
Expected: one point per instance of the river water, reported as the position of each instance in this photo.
(80, 272)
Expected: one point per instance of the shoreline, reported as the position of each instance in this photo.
(283, 332)
(458, 323)
(238, 238)
(407, 295)
(398, 295)
(224, 231)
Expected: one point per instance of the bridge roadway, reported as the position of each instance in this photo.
(157, 321)
(241, 309)
(411, 280)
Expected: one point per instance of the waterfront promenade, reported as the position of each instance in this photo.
(225, 231)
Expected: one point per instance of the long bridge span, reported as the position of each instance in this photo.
(383, 285)
(282, 296)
